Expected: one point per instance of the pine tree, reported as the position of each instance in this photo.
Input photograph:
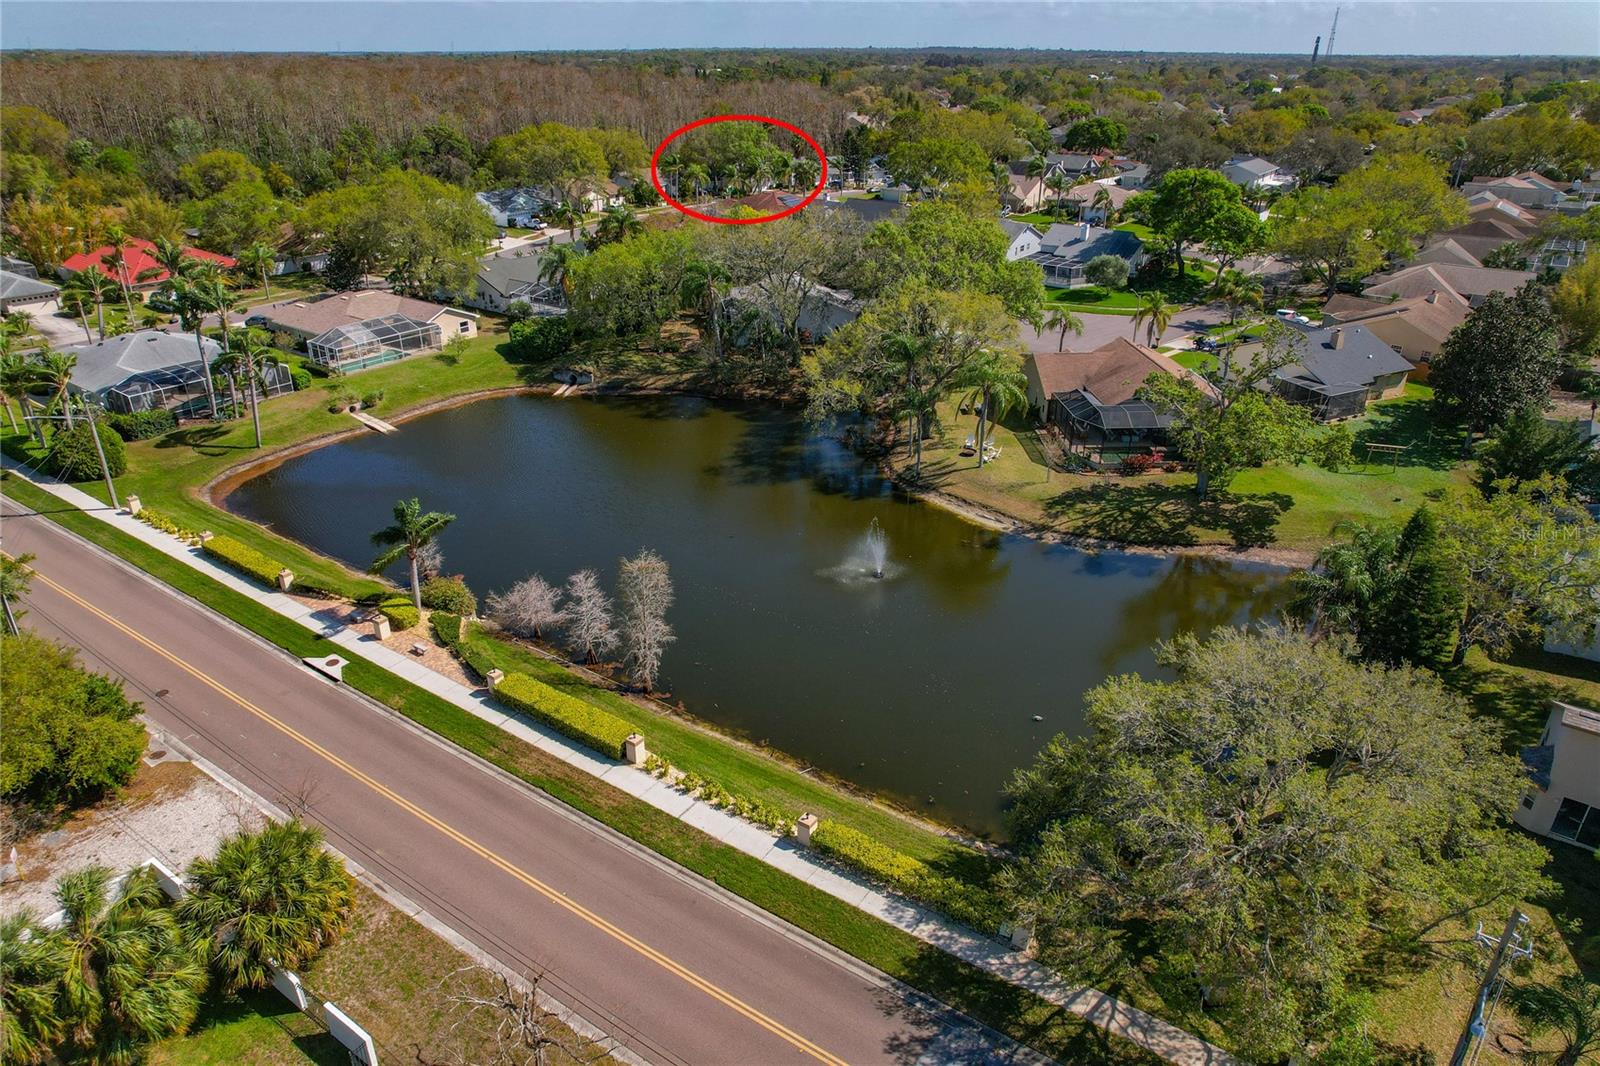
(1418, 620)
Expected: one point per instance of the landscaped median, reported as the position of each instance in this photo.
(1021, 1014)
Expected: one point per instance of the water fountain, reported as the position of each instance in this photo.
(877, 549)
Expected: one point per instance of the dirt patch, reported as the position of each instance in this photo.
(171, 811)
(433, 657)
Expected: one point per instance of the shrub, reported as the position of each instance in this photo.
(157, 520)
(340, 401)
(401, 613)
(583, 722)
(964, 902)
(74, 458)
(68, 733)
(243, 558)
(518, 311)
(142, 425)
(372, 399)
(1134, 465)
(449, 594)
(476, 658)
(446, 628)
(541, 339)
(301, 378)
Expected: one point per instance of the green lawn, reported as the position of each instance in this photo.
(743, 770)
(1012, 1010)
(1277, 505)
(1096, 300)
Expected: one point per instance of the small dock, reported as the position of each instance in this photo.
(372, 423)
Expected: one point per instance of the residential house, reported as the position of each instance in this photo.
(139, 270)
(516, 206)
(869, 210)
(899, 193)
(1446, 250)
(1337, 370)
(1024, 239)
(1089, 396)
(14, 265)
(298, 252)
(1083, 197)
(351, 331)
(1564, 773)
(1135, 177)
(1065, 250)
(151, 368)
(1415, 116)
(1026, 193)
(822, 310)
(1528, 189)
(1076, 164)
(513, 276)
(1416, 327)
(17, 290)
(1253, 172)
(1488, 204)
(1473, 283)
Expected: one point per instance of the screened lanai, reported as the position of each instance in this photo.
(373, 342)
(1088, 424)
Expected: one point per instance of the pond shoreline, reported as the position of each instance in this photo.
(216, 491)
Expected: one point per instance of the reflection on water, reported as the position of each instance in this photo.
(922, 685)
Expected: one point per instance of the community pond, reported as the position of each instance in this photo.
(921, 684)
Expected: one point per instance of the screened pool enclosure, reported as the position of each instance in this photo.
(373, 342)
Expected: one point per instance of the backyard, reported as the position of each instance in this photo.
(1276, 506)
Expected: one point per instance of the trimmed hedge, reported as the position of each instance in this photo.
(964, 902)
(244, 559)
(400, 613)
(449, 594)
(142, 425)
(446, 628)
(583, 722)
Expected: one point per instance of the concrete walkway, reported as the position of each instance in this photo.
(1147, 1031)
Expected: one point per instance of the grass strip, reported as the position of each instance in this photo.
(1018, 1013)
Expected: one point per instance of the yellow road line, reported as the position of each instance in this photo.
(770, 1024)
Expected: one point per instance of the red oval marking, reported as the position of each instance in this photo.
(655, 175)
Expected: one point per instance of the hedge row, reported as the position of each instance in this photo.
(446, 628)
(243, 558)
(964, 902)
(583, 722)
(400, 612)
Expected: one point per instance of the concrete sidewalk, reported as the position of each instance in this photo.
(1147, 1031)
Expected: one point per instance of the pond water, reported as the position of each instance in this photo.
(922, 685)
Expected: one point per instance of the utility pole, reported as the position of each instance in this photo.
(105, 468)
(1508, 948)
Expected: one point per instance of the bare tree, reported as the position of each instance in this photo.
(430, 560)
(528, 607)
(504, 1024)
(645, 586)
(589, 622)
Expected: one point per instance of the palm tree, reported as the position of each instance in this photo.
(411, 533)
(269, 897)
(1569, 1005)
(89, 287)
(255, 351)
(672, 166)
(617, 223)
(194, 303)
(1155, 314)
(1104, 204)
(32, 961)
(998, 387)
(131, 976)
(16, 374)
(569, 217)
(1037, 165)
(116, 261)
(704, 287)
(697, 176)
(1058, 183)
(173, 258)
(556, 266)
(54, 371)
(1239, 292)
(259, 258)
(1062, 319)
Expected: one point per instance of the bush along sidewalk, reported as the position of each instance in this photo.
(691, 784)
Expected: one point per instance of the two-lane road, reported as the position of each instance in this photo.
(674, 968)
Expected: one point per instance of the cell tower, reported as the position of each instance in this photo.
(1332, 33)
(1315, 49)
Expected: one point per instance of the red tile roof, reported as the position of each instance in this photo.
(139, 257)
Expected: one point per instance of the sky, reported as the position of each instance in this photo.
(1371, 27)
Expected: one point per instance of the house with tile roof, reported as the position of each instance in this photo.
(138, 270)
(1528, 189)
(350, 331)
(150, 368)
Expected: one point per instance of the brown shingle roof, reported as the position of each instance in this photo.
(1113, 372)
(1436, 319)
(318, 315)
(1464, 280)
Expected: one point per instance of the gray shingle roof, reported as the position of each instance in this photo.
(1360, 360)
(1069, 243)
(18, 287)
(114, 360)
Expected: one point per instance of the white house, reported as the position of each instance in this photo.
(1564, 767)
(513, 207)
(1253, 172)
(1024, 239)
